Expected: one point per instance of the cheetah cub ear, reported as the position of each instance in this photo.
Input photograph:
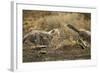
(51, 31)
(54, 31)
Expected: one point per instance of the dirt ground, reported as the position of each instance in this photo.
(46, 21)
(65, 53)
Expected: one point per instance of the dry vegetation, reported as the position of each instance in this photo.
(63, 46)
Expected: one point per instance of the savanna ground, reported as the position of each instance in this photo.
(65, 48)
